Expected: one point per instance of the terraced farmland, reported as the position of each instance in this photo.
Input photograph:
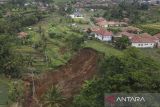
(152, 28)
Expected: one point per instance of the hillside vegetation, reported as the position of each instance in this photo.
(48, 59)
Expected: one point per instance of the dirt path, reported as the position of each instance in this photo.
(69, 78)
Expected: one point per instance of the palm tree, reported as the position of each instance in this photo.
(53, 98)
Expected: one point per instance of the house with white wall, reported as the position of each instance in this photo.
(144, 41)
(102, 34)
(77, 15)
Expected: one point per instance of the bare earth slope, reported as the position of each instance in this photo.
(69, 78)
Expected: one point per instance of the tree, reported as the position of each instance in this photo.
(53, 98)
(122, 43)
(125, 9)
(69, 9)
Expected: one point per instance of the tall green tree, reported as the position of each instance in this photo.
(122, 43)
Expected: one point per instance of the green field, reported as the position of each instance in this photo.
(109, 50)
(152, 26)
(103, 47)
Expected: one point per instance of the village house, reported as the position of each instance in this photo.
(127, 34)
(76, 15)
(144, 41)
(102, 34)
(132, 29)
(101, 22)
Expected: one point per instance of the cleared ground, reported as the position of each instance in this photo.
(69, 78)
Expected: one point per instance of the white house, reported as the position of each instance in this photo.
(143, 45)
(76, 15)
(103, 35)
(144, 41)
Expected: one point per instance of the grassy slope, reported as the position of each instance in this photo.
(152, 26)
(108, 50)
(102, 47)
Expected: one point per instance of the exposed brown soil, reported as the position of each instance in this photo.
(69, 78)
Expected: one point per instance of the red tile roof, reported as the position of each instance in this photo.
(103, 32)
(149, 36)
(143, 38)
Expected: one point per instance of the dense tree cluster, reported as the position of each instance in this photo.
(136, 12)
(12, 21)
(15, 22)
(9, 62)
